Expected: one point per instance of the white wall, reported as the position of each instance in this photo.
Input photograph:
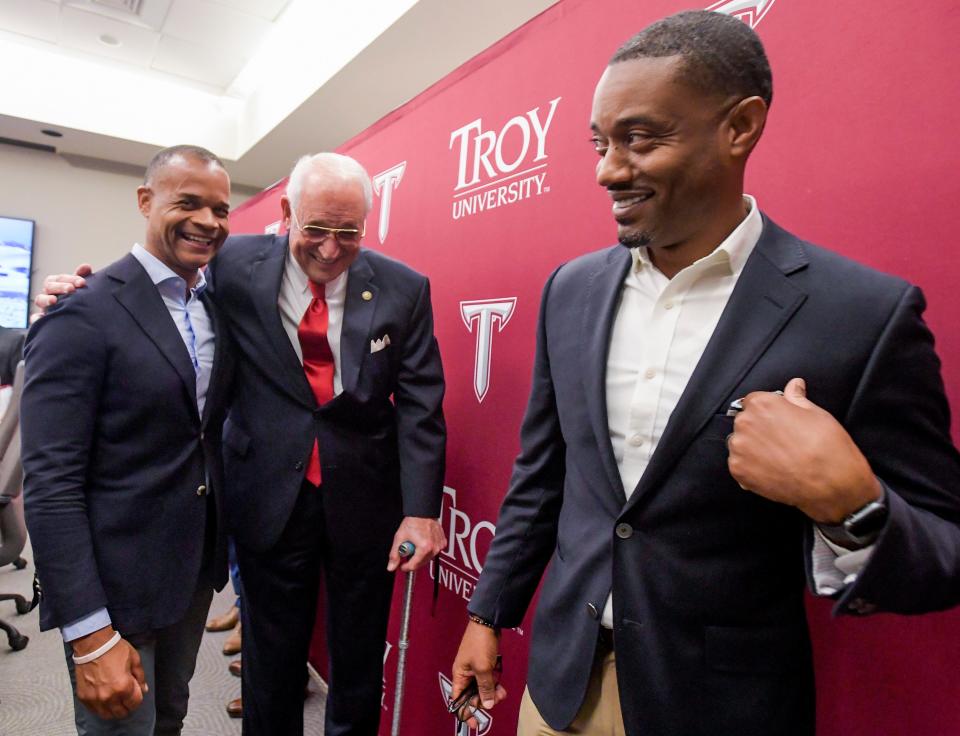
(82, 215)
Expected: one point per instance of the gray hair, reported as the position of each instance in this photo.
(336, 164)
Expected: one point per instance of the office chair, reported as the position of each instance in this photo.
(13, 530)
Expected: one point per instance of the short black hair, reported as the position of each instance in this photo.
(163, 157)
(721, 54)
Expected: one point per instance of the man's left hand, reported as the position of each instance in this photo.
(427, 536)
(788, 449)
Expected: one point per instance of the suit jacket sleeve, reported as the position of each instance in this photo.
(900, 419)
(66, 359)
(421, 431)
(527, 525)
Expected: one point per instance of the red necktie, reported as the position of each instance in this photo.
(317, 362)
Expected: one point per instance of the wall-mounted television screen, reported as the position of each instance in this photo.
(16, 262)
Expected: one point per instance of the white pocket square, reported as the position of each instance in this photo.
(377, 345)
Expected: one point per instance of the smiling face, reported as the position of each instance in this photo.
(326, 201)
(666, 159)
(187, 205)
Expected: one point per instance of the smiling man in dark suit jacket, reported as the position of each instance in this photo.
(334, 447)
(124, 401)
(679, 501)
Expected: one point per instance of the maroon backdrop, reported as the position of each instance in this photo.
(485, 184)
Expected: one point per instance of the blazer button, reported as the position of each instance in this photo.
(592, 610)
(201, 490)
(298, 467)
(624, 531)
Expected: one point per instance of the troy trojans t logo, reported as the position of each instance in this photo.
(750, 12)
(383, 185)
(484, 719)
(482, 315)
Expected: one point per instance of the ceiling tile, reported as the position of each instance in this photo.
(81, 31)
(30, 18)
(149, 13)
(266, 9)
(202, 63)
(203, 22)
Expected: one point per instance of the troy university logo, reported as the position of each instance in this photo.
(480, 317)
(484, 719)
(750, 12)
(467, 544)
(501, 167)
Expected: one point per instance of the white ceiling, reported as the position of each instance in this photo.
(205, 41)
(253, 80)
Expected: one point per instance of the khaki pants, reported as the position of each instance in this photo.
(599, 715)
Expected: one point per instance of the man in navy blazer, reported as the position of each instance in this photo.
(679, 500)
(122, 411)
(326, 485)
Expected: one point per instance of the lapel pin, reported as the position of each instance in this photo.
(366, 296)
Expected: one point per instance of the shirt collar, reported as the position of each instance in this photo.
(162, 275)
(734, 250)
(301, 283)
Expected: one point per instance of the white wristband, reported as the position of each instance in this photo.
(99, 652)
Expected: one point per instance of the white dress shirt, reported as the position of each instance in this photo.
(661, 328)
(294, 300)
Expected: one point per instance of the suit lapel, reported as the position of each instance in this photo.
(139, 296)
(357, 318)
(761, 304)
(266, 279)
(602, 297)
(215, 388)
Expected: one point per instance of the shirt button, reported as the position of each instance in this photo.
(624, 531)
(649, 373)
(668, 305)
(636, 440)
(201, 490)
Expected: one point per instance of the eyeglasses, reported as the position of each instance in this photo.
(317, 234)
(466, 704)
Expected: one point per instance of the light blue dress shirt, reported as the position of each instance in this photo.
(196, 329)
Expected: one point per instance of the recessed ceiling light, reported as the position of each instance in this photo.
(107, 40)
(52, 133)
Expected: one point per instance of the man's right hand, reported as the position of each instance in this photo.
(61, 283)
(477, 658)
(113, 684)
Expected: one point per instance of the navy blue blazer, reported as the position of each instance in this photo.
(122, 477)
(708, 580)
(382, 440)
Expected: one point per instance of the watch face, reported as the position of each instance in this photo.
(868, 520)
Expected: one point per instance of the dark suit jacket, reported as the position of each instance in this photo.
(382, 440)
(709, 623)
(114, 453)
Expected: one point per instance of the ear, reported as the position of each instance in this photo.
(144, 198)
(285, 209)
(745, 123)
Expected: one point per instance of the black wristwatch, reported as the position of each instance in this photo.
(861, 528)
